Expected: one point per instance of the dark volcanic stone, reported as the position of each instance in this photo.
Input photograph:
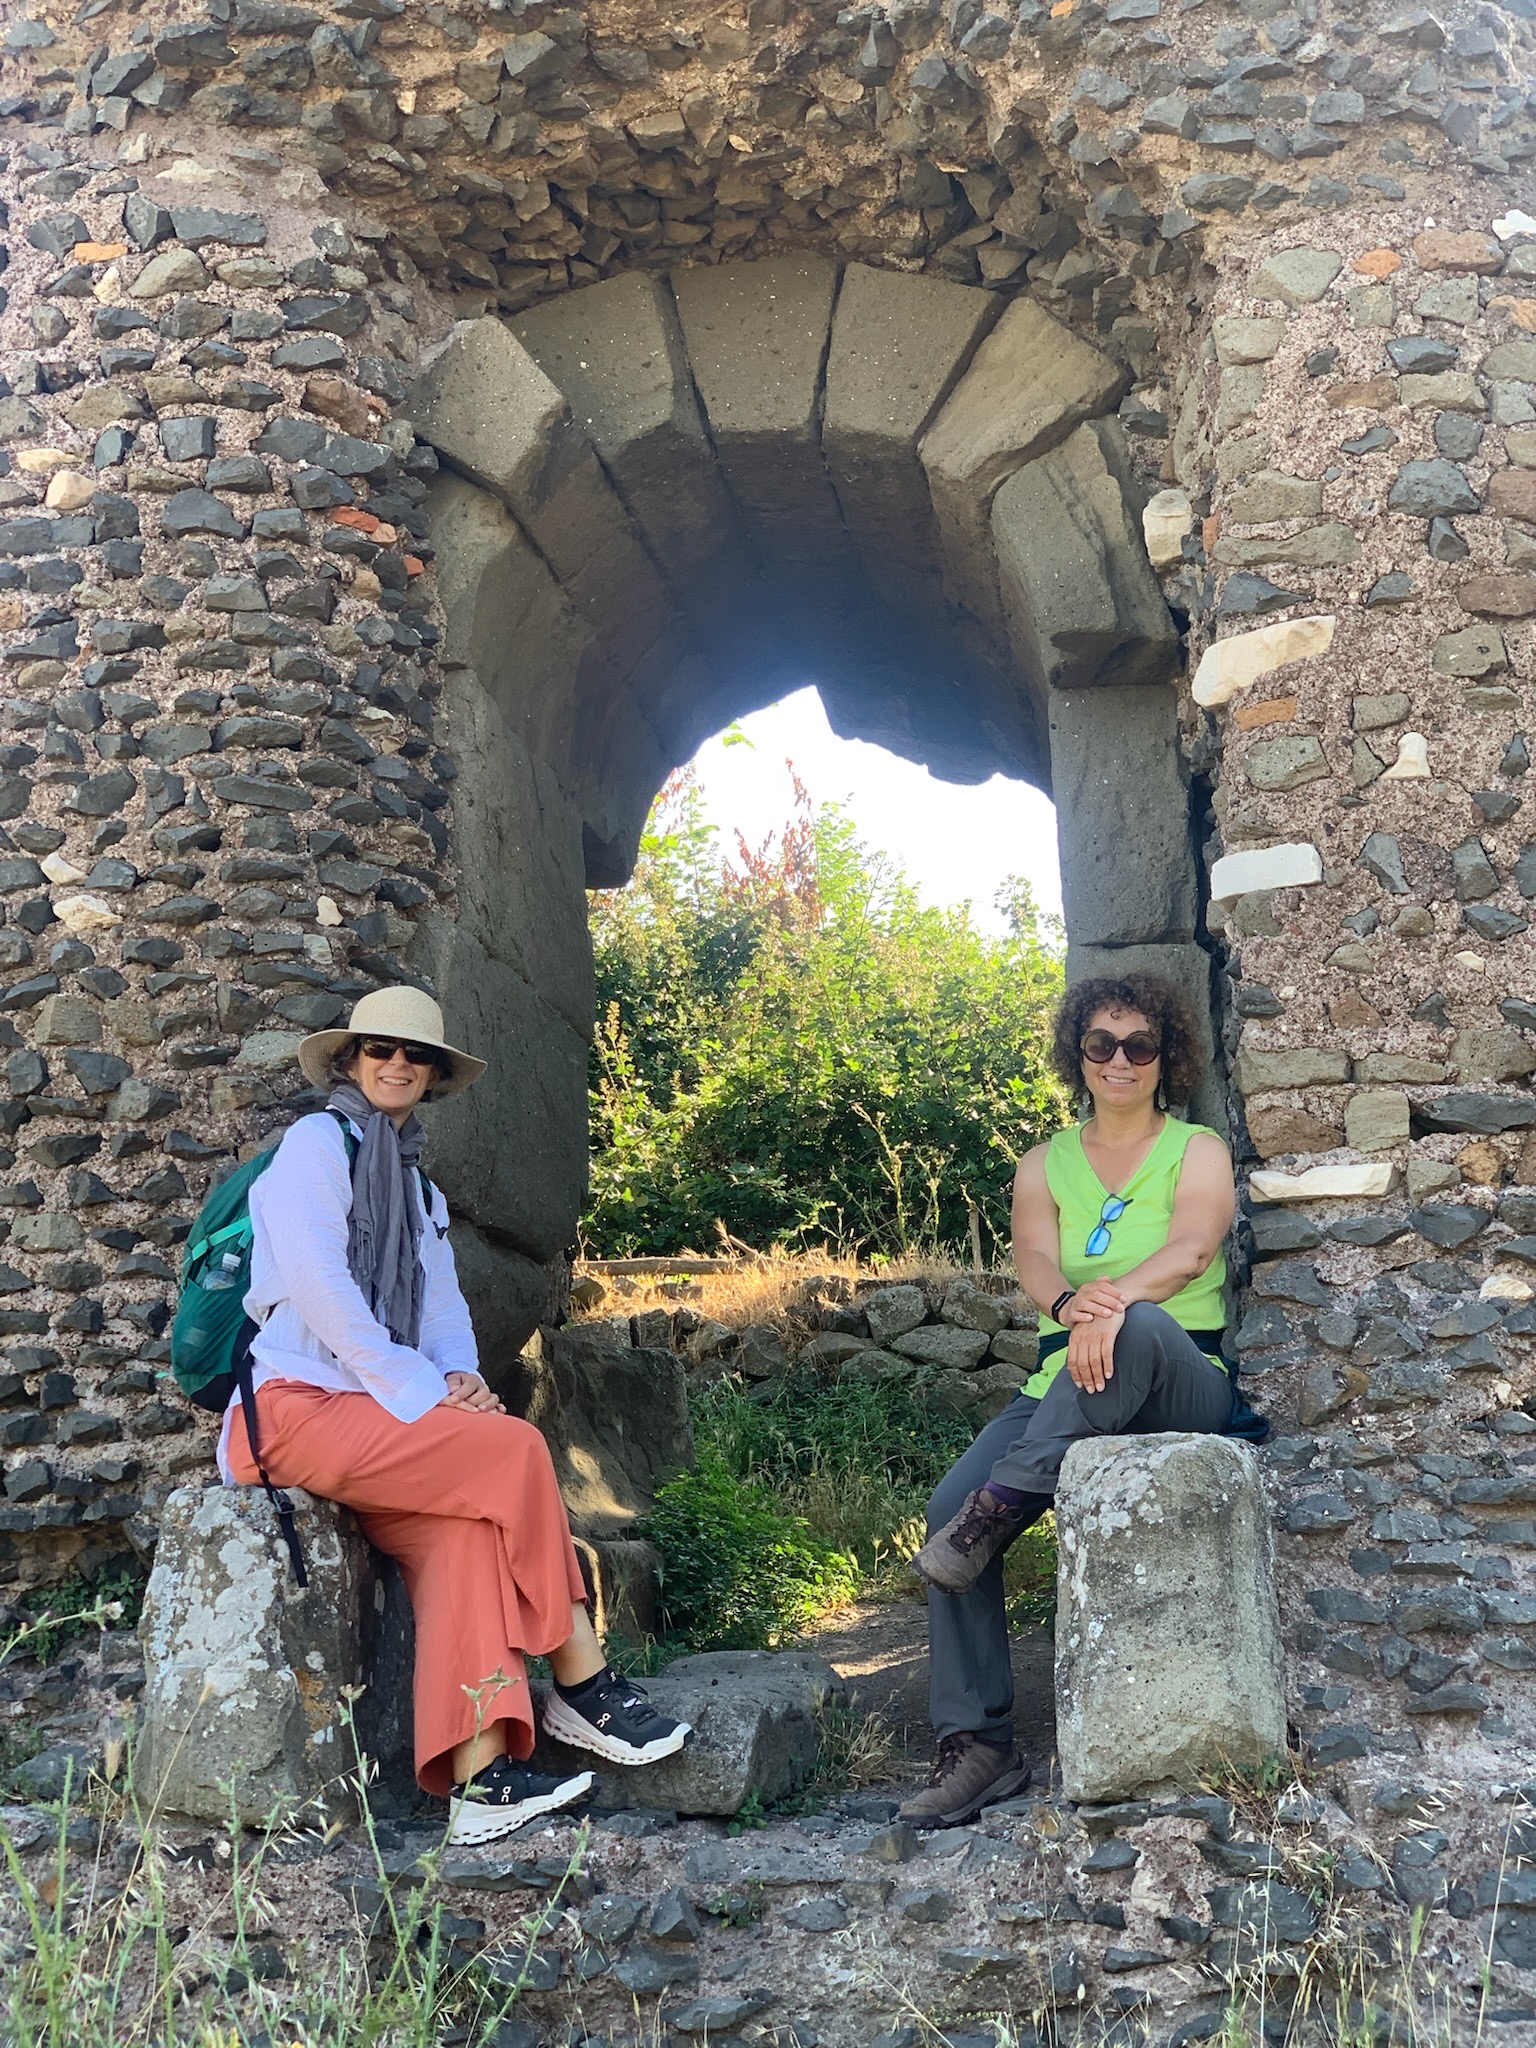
(1492, 923)
(1487, 1114)
(1428, 489)
(196, 225)
(1421, 355)
(1245, 595)
(1367, 1230)
(1269, 1908)
(194, 511)
(1449, 1224)
(1283, 1230)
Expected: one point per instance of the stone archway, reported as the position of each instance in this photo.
(662, 498)
(231, 233)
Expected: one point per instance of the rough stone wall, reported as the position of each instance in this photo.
(233, 768)
(1366, 397)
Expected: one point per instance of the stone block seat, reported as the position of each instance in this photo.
(244, 1670)
(1168, 1650)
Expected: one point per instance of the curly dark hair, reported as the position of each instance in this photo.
(1167, 1009)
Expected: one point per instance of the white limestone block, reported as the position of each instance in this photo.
(1345, 1182)
(1295, 865)
(1230, 665)
(1168, 517)
(1412, 763)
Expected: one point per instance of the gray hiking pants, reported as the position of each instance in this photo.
(1161, 1382)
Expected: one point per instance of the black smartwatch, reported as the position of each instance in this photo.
(1060, 1303)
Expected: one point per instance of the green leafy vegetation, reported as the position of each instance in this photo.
(76, 1606)
(791, 1048)
(737, 1572)
(810, 1493)
(857, 1459)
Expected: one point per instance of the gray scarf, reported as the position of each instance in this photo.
(384, 1234)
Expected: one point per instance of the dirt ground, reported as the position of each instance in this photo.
(881, 1649)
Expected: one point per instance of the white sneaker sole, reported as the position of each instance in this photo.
(564, 1723)
(472, 1821)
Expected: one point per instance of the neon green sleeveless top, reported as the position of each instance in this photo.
(1080, 1195)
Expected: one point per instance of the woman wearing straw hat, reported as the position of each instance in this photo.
(369, 1393)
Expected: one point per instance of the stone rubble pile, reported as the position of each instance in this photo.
(1142, 1919)
(965, 1344)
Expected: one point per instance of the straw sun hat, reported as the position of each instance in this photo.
(408, 1013)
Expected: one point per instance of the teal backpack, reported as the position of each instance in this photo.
(212, 1334)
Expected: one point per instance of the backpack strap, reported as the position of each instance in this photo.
(281, 1503)
(345, 1124)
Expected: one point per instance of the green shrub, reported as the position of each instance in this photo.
(856, 1460)
(736, 1572)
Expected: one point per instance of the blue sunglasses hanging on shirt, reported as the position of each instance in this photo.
(1098, 1238)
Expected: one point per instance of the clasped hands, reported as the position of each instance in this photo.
(468, 1390)
(1093, 1320)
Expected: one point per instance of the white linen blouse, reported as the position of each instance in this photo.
(315, 1324)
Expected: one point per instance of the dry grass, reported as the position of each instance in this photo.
(780, 1289)
(859, 1748)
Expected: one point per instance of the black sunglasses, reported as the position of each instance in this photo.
(386, 1048)
(1139, 1047)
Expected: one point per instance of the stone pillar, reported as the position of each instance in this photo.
(1168, 1658)
(1363, 425)
(228, 762)
(244, 1668)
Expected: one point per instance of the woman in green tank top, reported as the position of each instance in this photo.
(1117, 1232)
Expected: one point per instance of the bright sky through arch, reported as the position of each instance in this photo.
(956, 842)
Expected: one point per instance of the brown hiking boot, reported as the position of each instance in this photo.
(969, 1775)
(955, 1557)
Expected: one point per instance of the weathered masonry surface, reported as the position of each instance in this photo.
(421, 425)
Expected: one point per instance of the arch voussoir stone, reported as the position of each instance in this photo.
(616, 351)
(757, 337)
(486, 406)
(898, 345)
(1032, 382)
(1082, 606)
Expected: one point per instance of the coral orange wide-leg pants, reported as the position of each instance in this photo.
(469, 1505)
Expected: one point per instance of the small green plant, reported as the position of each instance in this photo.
(750, 1814)
(737, 1573)
(76, 1606)
(742, 1908)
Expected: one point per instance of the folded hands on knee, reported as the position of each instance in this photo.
(1094, 1318)
(468, 1390)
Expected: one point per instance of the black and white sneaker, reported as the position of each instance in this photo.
(613, 1718)
(505, 1795)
